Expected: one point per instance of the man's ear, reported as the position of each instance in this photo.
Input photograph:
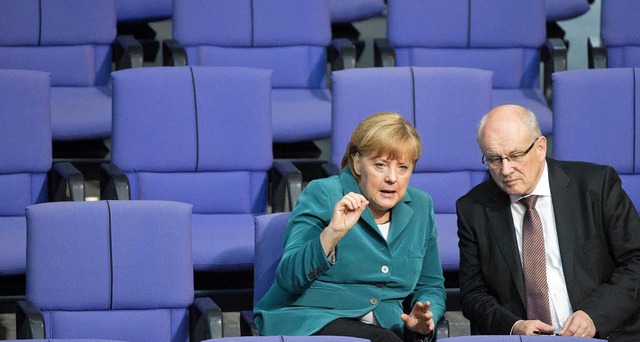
(356, 164)
(542, 146)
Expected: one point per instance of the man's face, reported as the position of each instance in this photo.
(518, 173)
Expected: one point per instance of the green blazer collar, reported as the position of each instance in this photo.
(401, 214)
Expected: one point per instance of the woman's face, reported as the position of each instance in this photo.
(383, 181)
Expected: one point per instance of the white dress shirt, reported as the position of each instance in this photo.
(558, 296)
(369, 318)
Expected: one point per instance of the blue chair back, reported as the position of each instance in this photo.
(199, 135)
(288, 339)
(290, 37)
(64, 340)
(111, 269)
(559, 339)
(620, 32)
(25, 158)
(71, 39)
(598, 121)
(483, 338)
(269, 235)
(503, 36)
(445, 105)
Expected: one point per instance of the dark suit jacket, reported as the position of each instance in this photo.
(599, 237)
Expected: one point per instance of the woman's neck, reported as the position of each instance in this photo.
(382, 218)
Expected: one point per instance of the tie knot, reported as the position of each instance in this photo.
(529, 201)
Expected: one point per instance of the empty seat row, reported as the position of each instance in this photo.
(202, 136)
(76, 42)
(27, 172)
(117, 270)
(173, 142)
(289, 37)
(185, 138)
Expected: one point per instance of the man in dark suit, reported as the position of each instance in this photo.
(590, 251)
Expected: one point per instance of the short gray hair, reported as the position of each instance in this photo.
(527, 117)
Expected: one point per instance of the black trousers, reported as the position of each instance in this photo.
(356, 328)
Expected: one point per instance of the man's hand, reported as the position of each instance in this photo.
(528, 327)
(420, 319)
(579, 324)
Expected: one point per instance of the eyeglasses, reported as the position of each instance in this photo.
(495, 162)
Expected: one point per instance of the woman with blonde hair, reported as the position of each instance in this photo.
(358, 244)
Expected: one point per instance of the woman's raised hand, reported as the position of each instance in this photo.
(345, 215)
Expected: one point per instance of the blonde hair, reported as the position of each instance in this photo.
(384, 133)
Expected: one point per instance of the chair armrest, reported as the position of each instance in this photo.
(247, 324)
(173, 53)
(554, 57)
(597, 53)
(383, 53)
(114, 184)
(330, 169)
(128, 52)
(29, 321)
(205, 319)
(66, 183)
(442, 329)
(286, 185)
(342, 54)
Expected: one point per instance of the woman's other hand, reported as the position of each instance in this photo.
(420, 319)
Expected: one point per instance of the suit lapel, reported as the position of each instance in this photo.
(501, 224)
(401, 214)
(563, 206)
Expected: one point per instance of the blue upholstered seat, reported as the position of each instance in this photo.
(504, 36)
(63, 340)
(619, 43)
(347, 11)
(556, 10)
(445, 105)
(25, 160)
(72, 40)
(289, 37)
(143, 10)
(518, 338)
(269, 244)
(111, 269)
(597, 120)
(200, 135)
(288, 339)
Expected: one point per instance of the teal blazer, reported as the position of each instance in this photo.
(369, 273)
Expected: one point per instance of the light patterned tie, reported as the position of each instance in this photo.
(534, 262)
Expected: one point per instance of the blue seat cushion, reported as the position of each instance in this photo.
(301, 114)
(447, 227)
(355, 10)
(556, 10)
(13, 245)
(86, 107)
(223, 242)
(125, 325)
